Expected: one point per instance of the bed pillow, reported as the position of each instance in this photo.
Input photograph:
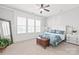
(53, 31)
(59, 32)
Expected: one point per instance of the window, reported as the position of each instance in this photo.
(30, 25)
(21, 25)
(5, 28)
(38, 25)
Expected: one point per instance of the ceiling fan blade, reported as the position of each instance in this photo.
(47, 6)
(41, 5)
(47, 10)
(41, 12)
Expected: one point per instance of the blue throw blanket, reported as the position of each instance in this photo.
(54, 38)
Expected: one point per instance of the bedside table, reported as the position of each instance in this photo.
(44, 42)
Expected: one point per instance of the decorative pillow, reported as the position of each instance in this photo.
(59, 32)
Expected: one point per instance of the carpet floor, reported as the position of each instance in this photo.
(29, 47)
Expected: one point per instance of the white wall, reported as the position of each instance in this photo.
(10, 14)
(70, 17)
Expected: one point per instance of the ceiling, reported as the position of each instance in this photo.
(34, 8)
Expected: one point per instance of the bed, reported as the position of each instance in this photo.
(55, 36)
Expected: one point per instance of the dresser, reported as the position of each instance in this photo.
(72, 38)
(72, 35)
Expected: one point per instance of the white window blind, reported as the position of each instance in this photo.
(38, 25)
(30, 25)
(21, 25)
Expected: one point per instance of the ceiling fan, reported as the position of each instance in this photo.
(43, 7)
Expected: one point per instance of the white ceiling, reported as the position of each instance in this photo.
(34, 8)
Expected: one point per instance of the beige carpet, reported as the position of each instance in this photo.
(30, 47)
